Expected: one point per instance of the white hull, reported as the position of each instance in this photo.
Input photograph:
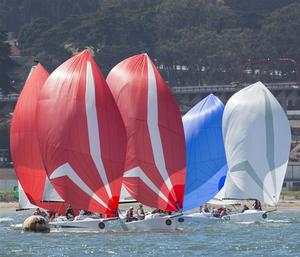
(81, 225)
(197, 217)
(151, 223)
(247, 216)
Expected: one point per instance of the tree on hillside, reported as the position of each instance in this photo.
(4, 134)
(31, 34)
(14, 14)
(193, 41)
(5, 62)
(280, 34)
(119, 29)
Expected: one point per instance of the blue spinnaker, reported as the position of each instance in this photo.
(206, 160)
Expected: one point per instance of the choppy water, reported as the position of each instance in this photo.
(280, 237)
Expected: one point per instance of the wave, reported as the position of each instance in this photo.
(279, 221)
(5, 219)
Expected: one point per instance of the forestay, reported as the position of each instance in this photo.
(24, 143)
(206, 161)
(155, 162)
(82, 136)
(257, 140)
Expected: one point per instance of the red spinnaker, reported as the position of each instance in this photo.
(24, 144)
(155, 162)
(82, 136)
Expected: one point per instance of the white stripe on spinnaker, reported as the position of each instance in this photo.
(93, 129)
(152, 120)
(66, 170)
(137, 172)
(50, 194)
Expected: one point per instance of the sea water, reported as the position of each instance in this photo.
(280, 236)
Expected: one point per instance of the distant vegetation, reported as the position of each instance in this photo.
(8, 196)
(291, 193)
(5, 62)
(194, 42)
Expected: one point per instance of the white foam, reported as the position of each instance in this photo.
(5, 219)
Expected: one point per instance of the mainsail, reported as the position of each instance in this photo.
(82, 136)
(205, 154)
(155, 162)
(24, 144)
(24, 203)
(257, 140)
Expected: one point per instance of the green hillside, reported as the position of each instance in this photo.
(193, 41)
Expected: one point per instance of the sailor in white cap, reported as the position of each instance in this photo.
(129, 214)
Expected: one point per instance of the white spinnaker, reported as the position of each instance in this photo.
(257, 140)
(24, 202)
(50, 194)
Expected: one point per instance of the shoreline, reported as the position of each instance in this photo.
(283, 205)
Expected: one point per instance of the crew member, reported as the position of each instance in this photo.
(70, 213)
(129, 215)
(245, 208)
(140, 212)
(205, 209)
(40, 213)
(219, 213)
(257, 205)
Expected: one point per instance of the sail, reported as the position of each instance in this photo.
(155, 162)
(24, 144)
(82, 136)
(24, 203)
(205, 154)
(257, 140)
(125, 197)
(50, 194)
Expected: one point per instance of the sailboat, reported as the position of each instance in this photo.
(206, 160)
(82, 141)
(155, 161)
(24, 146)
(257, 140)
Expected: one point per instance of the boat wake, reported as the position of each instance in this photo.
(248, 222)
(279, 221)
(5, 219)
(262, 222)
